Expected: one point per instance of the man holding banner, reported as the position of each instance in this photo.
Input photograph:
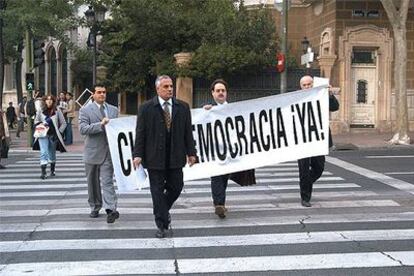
(311, 168)
(219, 90)
(93, 117)
(164, 140)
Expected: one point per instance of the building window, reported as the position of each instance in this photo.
(362, 91)
(365, 57)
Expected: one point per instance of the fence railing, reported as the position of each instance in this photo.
(250, 86)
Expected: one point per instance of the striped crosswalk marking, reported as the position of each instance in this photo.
(45, 228)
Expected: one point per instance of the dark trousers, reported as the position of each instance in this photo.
(310, 169)
(166, 186)
(218, 189)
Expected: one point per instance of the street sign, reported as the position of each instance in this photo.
(84, 98)
(30, 81)
(307, 58)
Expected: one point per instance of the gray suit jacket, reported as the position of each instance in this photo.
(96, 144)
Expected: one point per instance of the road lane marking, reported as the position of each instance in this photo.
(389, 156)
(392, 182)
(399, 173)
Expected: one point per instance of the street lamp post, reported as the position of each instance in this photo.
(94, 17)
(283, 6)
(308, 55)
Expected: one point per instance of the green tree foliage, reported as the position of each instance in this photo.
(143, 35)
(41, 18)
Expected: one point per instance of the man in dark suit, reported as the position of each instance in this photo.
(219, 90)
(98, 164)
(311, 168)
(163, 143)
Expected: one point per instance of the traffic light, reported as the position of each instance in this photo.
(30, 81)
(38, 53)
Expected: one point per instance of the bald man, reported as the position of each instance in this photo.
(311, 168)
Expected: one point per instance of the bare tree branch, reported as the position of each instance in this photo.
(391, 10)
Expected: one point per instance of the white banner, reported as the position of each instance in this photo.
(121, 135)
(239, 136)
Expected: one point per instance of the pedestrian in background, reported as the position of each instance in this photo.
(163, 143)
(4, 138)
(70, 116)
(21, 116)
(93, 117)
(62, 105)
(311, 168)
(52, 119)
(219, 91)
(11, 115)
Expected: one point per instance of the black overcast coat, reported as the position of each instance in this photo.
(333, 106)
(150, 139)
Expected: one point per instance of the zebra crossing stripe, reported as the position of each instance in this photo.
(58, 165)
(232, 188)
(316, 195)
(217, 265)
(25, 174)
(91, 225)
(198, 209)
(277, 180)
(296, 262)
(208, 241)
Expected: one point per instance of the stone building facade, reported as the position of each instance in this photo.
(353, 42)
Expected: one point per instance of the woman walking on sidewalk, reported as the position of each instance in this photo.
(49, 126)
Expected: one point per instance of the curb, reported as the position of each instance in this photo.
(350, 146)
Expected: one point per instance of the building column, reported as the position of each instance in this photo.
(326, 63)
(184, 85)
(69, 72)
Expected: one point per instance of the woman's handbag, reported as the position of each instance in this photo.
(40, 131)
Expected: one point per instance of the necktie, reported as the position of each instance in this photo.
(167, 115)
(102, 110)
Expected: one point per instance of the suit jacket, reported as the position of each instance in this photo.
(150, 140)
(59, 124)
(333, 106)
(96, 144)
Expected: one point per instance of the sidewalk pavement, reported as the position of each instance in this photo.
(348, 141)
(369, 139)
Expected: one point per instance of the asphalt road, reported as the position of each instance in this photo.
(361, 223)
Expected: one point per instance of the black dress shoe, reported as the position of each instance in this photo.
(112, 216)
(306, 203)
(160, 233)
(94, 214)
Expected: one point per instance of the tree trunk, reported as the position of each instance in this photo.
(397, 14)
(400, 77)
(18, 73)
